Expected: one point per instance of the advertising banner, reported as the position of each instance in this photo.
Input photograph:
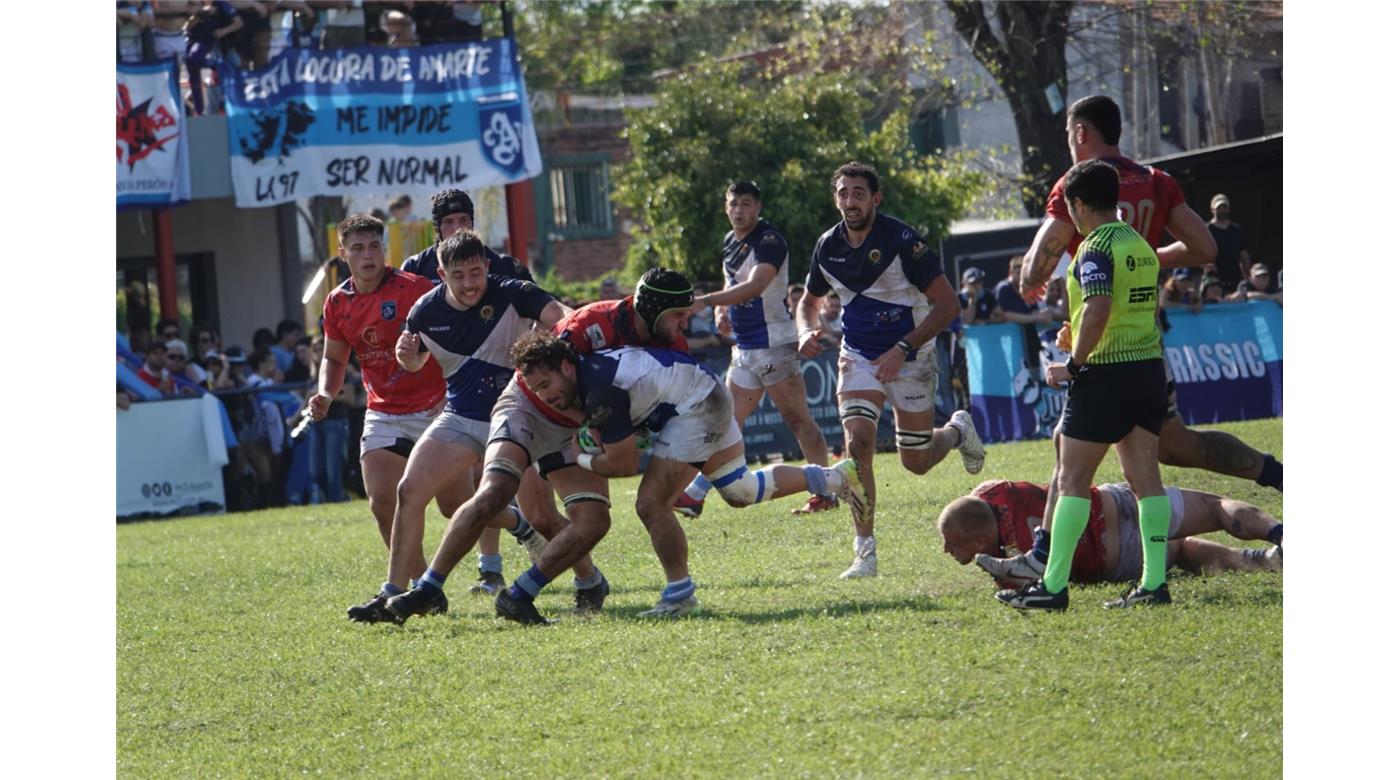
(158, 473)
(1227, 362)
(153, 165)
(365, 120)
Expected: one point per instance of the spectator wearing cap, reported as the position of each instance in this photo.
(1180, 291)
(1212, 291)
(1260, 286)
(978, 305)
(216, 373)
(1231, 258)
(608, 290)
(1013, 307)
(453, 210)
(154, 371)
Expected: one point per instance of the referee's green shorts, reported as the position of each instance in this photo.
(1107, 400)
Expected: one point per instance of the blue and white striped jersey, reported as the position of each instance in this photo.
(473, 346)
(622, 389)
(881, 283)
(763, 321)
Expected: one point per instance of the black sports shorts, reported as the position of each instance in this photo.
(1106, 401)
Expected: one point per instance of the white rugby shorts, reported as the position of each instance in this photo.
(911, 391)
(755, 369)
(385, 431)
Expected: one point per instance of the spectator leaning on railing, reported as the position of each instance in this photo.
(1212, 290)
(1260, 286)
(1180, 291)
(153, 372)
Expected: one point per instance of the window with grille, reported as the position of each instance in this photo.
(579, 195)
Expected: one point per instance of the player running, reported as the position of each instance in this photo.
(894, 300)
(1117, 394)
(1150, 202)
(764, 358)
(453, 210)
(691, 419)
(524, 430)
(366, 314)
(999, 518)
(465, 325)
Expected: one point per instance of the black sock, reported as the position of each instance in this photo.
(1276, 535)
(1272, 475)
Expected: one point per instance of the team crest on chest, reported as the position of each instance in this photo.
(387, 309)
(488, 311)
(874, 255)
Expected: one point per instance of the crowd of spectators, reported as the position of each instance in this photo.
(201, 34)
(263, 393)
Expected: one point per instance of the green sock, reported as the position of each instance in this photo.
(1071, 516)
(1155, 519)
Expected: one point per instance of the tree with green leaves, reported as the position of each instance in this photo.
(786, 124)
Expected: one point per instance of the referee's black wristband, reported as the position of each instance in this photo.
(1073, 368)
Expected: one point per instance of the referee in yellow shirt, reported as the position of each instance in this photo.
(1117, 392)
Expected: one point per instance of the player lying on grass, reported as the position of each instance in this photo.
(691, 417)
(1000, 519)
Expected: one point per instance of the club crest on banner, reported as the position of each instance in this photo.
(502, 136)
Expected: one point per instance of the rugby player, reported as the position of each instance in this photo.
(1150, 201)
(894, 300)
(466, 326)
(524, 430)
(366, 313)
(691, 418)
(997, 520)
(764, 358)
(1118, 390)
(453, 210)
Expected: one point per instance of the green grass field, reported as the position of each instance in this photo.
(234, 657)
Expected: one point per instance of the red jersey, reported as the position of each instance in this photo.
(607, 325)
(370, 323)
(595, 326)
(1018, 507)
(1146, 196)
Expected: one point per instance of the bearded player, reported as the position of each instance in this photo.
(894, 300)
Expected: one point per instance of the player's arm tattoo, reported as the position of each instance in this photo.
(1038, 271)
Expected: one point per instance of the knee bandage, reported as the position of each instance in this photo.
(859, 408)
(739, 486)
(582, 497)
(503, 466)
(913, 440)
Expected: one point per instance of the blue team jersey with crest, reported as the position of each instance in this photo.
(763, 321)
(881, 283)
(473, 346)
(623, 389)
(425, 264)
